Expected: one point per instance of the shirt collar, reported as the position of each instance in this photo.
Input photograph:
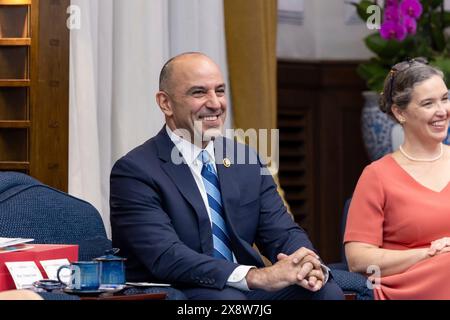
(189, 151)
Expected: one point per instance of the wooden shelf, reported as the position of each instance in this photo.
(14, 82)
(34, 89)
(15, 124)
(15, 41)
(15, 2)
(14, 165)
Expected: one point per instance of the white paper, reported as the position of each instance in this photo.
(6, 242)
(147, 284)
(24, 273)
(51, 268)
(19, 247)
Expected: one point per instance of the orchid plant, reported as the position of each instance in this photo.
(409, 28)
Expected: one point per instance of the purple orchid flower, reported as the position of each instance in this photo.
(390, 3)
(410, 24)
(392, 13)
(412, 8)
(393, 30)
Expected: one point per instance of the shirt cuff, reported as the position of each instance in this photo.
(237, 278)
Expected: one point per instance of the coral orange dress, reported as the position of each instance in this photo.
(391, 210)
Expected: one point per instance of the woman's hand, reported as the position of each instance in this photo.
(439, 246)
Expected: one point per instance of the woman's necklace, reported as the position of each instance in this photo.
(422, 160)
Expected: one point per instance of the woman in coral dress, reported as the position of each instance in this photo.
(399, 218)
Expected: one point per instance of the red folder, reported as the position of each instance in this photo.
(38, 253)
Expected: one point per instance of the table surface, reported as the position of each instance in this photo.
(123, 297)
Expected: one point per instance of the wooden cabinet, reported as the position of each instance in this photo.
(321, 148)
(15, 48)
(34, 69)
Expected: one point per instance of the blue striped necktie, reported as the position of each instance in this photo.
(221, 239)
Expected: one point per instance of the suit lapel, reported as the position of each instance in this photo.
(182, 177)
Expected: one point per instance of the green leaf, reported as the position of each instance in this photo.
(374, 72)
(438, 37)
(386, 49)
(430, 41)
(443, 62)
(361, 9)
(434, 3)
(446, 20)
(436, 19)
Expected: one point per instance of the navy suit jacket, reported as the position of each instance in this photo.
(161, 225)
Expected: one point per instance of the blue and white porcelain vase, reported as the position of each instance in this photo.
(376, 127)
(381, 134)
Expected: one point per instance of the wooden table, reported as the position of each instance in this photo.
(123, 297)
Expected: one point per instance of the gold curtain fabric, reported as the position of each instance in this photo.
(251, 27)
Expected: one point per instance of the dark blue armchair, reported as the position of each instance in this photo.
(350, 282)
(31, 209)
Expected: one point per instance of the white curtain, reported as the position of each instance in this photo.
(115, 59)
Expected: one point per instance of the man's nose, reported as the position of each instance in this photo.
(213, 101)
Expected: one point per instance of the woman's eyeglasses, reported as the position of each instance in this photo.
(402, 66)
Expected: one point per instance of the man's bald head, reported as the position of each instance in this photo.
(165, 76)
(192, 96)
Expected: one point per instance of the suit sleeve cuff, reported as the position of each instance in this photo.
(237, 278)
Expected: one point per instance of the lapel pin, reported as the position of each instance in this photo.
(226, 162)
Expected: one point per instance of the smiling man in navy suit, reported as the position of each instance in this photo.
(185, 211)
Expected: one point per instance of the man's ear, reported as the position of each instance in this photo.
(163, 101)
(399, 114)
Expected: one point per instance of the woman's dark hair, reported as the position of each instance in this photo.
(400, 82)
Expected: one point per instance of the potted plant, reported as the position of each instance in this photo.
(408, 29)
